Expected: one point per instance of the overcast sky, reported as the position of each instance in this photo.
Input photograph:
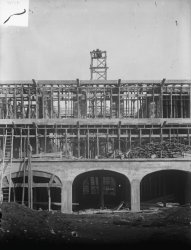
(144, 39)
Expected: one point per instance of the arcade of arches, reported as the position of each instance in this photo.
(100, 189)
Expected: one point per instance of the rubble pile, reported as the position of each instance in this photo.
(165, 149)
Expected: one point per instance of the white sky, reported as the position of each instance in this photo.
(141, 37)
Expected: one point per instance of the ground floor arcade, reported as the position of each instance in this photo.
(71, 186)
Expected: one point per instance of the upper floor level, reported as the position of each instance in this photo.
(51, 99)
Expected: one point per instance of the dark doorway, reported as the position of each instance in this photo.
(166, 186)
(100, 189)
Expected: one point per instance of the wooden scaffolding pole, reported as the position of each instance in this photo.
(30, 178)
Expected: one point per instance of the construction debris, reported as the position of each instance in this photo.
(165, 149)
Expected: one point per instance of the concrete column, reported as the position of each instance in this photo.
(66, 196)
(135, 195)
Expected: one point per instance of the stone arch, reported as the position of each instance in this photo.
(166, 185)
(46, 189)
(100, 189)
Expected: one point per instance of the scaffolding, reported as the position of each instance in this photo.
(88, 120)
(98, 66)
(95, 99)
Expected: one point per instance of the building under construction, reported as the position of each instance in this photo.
(77, 144)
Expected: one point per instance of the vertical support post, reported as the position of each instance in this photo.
(161, 140)
(95, 103)
(181, 104)
(107, 140)
(171, 103)
(78, 138)
(135, 195)
(129, 138)
(30, 178)
(49, 199)
(14, 194)
(138, 102)
(59, 101)
(36, 95)
(10, 171)
(161, 98)
(140, 136)
(66, 196)
(119, 98)
(101, 191)
(45, 140)
(111, 102)
(36, 137)
(22, 104)
(43, 106)
(119, 135)
(146, 103)
(51, 102)
(6, 104)
(104, 102)
(37, 103)
(66, 142)
(29, 102)
(88, 144)
(97, 143)
(23, 191)
(189, 137)
(190, 100)
(15, 104)
(21, 144)
(78, 99)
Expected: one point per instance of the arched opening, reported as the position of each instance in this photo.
(46, 190)
(166, 186)
(100, 189)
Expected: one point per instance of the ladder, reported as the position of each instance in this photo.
(7, 160)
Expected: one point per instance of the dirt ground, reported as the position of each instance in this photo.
(23, 227)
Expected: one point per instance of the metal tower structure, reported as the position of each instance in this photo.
(98, 66)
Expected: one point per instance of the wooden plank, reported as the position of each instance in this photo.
(39, 185)
(44, 155)
(96, 122)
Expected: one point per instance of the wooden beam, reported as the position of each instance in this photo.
(49, 199)
(119, 98)
(190, 99)
(97, 143)
(78, 99)
(78, 139)
(39, 185)
(51, 179)
(88, 144)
